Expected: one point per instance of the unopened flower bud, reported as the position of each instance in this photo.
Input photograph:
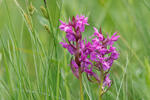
(44, 12)
(47, 28)
(31, 9)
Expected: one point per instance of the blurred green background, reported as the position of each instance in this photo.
(33, 65)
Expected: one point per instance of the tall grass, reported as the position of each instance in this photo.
(33, 65)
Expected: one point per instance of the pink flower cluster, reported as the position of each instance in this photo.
(92, 57)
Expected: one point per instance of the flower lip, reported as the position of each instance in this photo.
(107, 81)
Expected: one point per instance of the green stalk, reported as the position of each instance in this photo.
(57, 89)
(80, 79)
(101, 85)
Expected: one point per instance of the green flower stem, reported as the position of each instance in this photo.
(80, 79)
(101, 85)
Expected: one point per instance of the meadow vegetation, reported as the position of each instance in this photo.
(34, 66)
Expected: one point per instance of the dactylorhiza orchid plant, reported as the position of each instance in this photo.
(94, 58)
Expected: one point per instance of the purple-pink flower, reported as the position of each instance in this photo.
(99, 35)
(81, 21)
(107, 81)
(91, 57)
